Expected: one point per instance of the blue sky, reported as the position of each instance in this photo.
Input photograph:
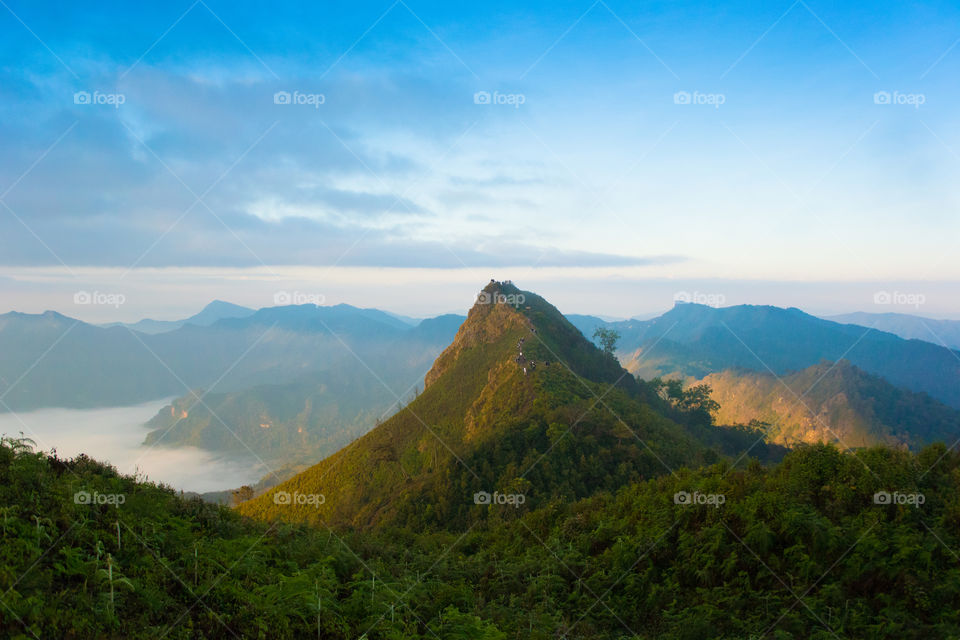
(773, 152)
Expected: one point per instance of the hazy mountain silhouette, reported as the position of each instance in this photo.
(216, 310)
(52, 360)
(696, 340)
(940, 332)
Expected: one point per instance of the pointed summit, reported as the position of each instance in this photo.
(542, 334)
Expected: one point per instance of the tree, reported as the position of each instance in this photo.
(608, 339)
(697, 398)
(242, 494)
(695, 401)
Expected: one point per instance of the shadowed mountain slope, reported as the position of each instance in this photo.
(833, 403)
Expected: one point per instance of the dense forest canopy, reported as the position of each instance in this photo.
(824, 544)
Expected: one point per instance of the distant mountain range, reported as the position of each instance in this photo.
(696, 340)
(52, 360)
(293, 384)
(216, 310)
(940, 332)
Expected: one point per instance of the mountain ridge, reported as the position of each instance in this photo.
(211, 312)
(909, 327)
(51, 360)
(697, 340)
(520, 402)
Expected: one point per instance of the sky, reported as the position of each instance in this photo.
(609, 155)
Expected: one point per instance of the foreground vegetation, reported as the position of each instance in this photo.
(796, 550)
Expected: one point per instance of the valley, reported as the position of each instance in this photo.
(117, 436)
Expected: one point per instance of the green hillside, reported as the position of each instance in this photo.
(483, 424)
(799, 550)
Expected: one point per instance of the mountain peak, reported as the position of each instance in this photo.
(218, 310)
(517, 371)
(495, 312)
(215, 305)
(539, 334)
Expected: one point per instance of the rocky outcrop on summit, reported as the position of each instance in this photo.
(491, 317)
